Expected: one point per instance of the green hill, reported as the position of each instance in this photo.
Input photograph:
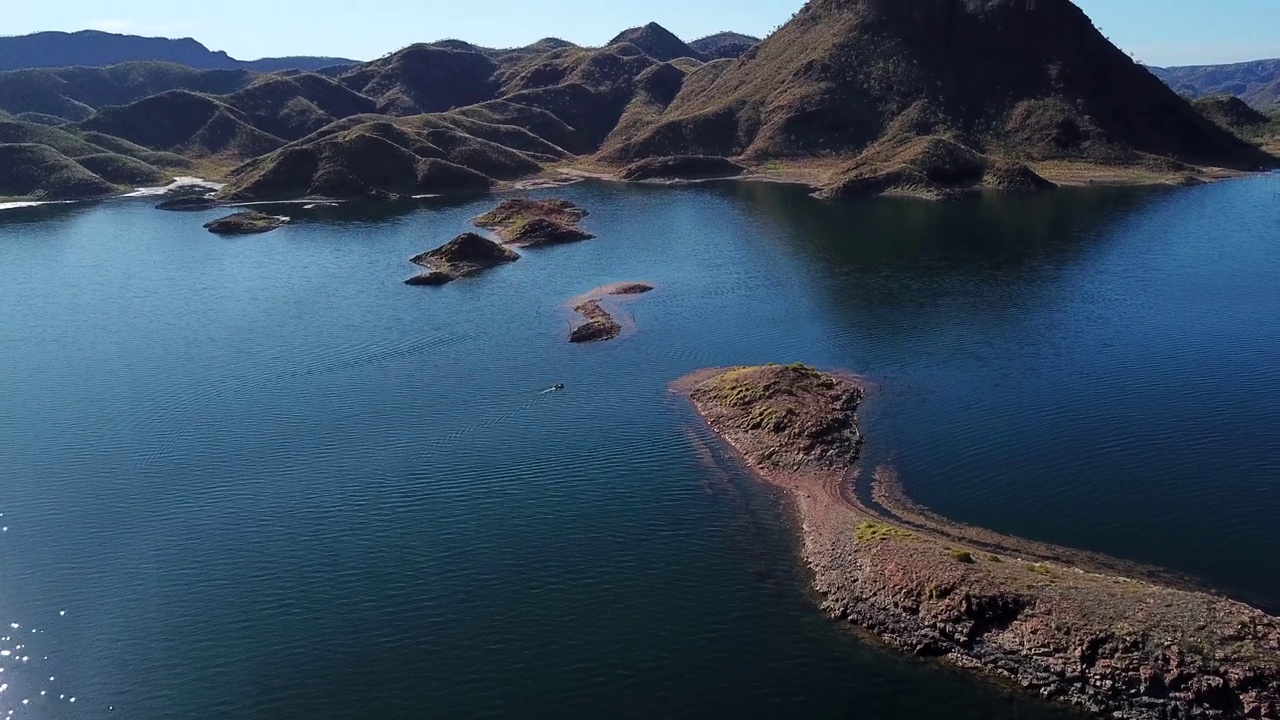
(423, 78)
(424, 154)
(66, 143)
(42, 173)
(121, 170)
(657, 42)
(184, 122)
(75, 93)
(295, 106)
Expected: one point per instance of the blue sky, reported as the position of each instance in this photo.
(1160, 32)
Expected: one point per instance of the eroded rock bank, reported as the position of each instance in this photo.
(466, 255)
(600, 324)
(1063, 624)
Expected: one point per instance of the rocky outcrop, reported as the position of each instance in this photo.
(1062, 624)
(249, 222)
(464, 256)
(538, 232)
(531, 223)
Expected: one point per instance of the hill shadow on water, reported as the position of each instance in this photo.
(991, 229)
(904, 261)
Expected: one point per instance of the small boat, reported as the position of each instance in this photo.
(558, 386)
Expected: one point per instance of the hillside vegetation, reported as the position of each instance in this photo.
(869, 79)
(724, 45)
(932, 97)
(42, 173)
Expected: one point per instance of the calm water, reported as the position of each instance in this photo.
(261, 478)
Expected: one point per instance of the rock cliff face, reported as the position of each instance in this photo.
(1066, 625)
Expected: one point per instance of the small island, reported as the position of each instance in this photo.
(533, 223)
(600, 325)
(466, 255)
(189, 203)
(1095, 632)
(248, 222)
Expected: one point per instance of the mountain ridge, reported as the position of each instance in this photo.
(96, 48)
(1257, 82)
(931, 97)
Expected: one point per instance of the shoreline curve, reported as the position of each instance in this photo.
(1084, 629)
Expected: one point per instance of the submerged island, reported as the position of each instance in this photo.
(1084, 629)
(600, 324)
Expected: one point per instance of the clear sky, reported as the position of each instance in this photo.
(1159, 32)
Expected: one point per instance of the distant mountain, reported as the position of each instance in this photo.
(93, 48)
(1256, 82)
(933, 96)
(724, 45)
(74, 93)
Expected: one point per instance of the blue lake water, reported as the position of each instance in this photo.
(260, 477)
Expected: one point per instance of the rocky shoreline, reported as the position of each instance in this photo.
(1082, 629)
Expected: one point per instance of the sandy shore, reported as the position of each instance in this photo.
(1092, 631)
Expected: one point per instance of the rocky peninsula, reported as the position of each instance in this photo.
(464, 256)
(1094, 632)
(600, 324)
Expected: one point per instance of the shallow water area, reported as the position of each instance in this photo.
(262, 477)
